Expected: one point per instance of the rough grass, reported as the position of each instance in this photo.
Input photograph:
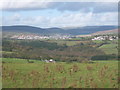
(18, 73)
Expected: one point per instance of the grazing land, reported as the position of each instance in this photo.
(109, 47)
(18, 73)
(59, 45)
(78, 63)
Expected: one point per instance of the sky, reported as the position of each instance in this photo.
(51, 13)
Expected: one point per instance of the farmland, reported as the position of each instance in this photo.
(79, 63)
(53, 44)
(18, 73)
(111, 47)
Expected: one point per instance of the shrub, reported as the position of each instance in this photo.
(103, 57)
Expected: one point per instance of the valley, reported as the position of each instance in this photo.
(60, 60)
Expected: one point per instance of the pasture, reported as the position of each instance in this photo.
(18, 73)
(111, 47)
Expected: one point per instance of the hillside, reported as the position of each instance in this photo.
(89, 29)
(23, 29)
(48, 31)
(114, 31)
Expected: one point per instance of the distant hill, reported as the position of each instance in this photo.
(91, 29)
(55, 30)
(114, 31)
(23, 29)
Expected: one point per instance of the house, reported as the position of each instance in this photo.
(105, 37)
(50, 61)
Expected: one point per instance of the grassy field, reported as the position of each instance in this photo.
(110, 48)
(18, 73)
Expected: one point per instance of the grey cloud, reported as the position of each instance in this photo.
(95, 7)
(105, 7)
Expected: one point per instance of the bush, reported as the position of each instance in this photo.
(103, 57)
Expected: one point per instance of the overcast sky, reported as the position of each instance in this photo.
(59, 14)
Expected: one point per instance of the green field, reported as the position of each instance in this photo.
(110, 48)
(73, 68)
(18, 73)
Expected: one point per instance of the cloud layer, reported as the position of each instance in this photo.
(78, 13)
(13, 5)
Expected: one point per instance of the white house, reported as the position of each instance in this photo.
(50, 61)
